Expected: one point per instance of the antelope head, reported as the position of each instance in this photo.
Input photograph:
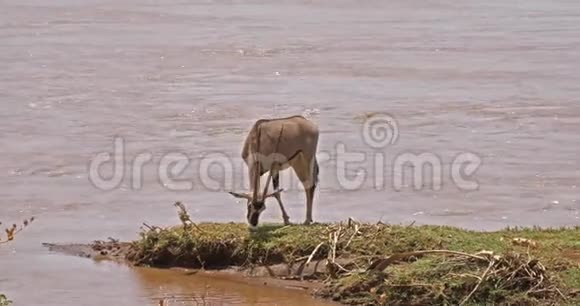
(256, 204)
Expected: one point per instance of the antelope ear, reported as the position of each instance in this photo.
(240, 195)
(273, 193)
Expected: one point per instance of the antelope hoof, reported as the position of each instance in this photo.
(287, 221)
(307, 222)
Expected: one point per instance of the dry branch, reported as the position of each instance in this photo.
(481, 280)
(308, 260)
(184, 217)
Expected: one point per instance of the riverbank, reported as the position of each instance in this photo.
(379, 264)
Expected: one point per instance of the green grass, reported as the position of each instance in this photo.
(215, 245)
(552, 265)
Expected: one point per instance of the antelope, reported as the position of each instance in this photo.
(274, 145)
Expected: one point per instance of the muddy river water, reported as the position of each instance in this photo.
(491, 83)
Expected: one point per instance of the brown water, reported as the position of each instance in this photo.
(494, 78)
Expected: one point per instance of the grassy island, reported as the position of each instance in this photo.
(380, 264)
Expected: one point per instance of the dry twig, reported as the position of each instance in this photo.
(308, 260)
(491, 263)
(185, 218)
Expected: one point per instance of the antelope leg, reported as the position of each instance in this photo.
(309, 200)
(276, 183)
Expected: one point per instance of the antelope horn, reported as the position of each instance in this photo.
(267, 184)
(257, 165)
(274, 163)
